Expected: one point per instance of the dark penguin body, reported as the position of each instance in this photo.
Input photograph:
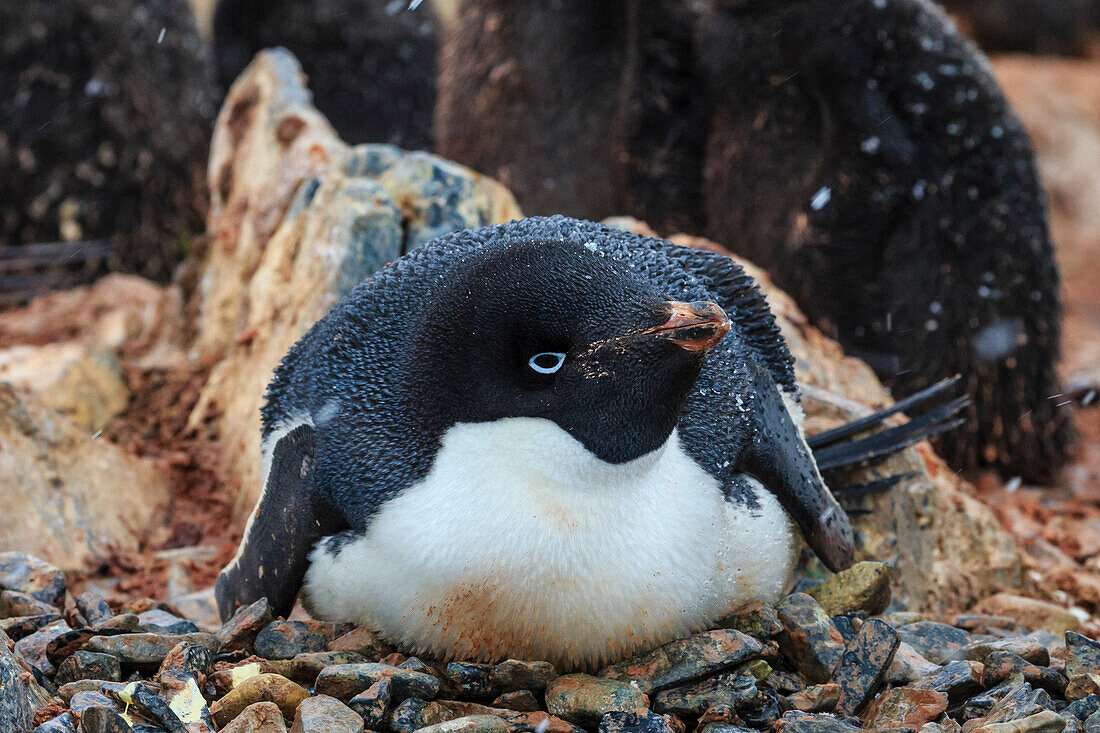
(1028, 26)
(589, 109)
(371, 63)
(862, 152)
(106, 112)
(517, 444)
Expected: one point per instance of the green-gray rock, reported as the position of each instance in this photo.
(584, 699)
(863, 587)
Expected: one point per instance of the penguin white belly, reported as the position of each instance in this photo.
(520, 543)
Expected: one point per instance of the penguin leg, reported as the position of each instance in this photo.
(779, 458)
(288, 519)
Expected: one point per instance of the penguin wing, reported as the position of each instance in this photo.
(288, 519)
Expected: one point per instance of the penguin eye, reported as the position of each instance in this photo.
(546, 362)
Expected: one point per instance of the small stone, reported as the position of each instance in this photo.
(958, 680)
(64, 723)
(17, 627)
(908, 666)
(685, 659)
(983, 703)
(584, 699)
(259, 688)
(1000, 666)
(523, 701)
(85, 665)
(240, 631)
(798, 722)
(1021, 701)
(373, 703)
(786, 682)
(514, 674)
(757, 619)
(983, 623)
(93, 608)
(936, 642)
(809, 637)
(305, 667)
(762, 711)
(1092, 723)
(125, 622)
(469, 724)
(696, 697)
(1083, 708)
(1082, 685)
(362, 640)
(816, 698)
(444, 710)
(1030, 613)
(864, 665)
(193, 660)
(905, 708)
(469, 679)
(1082, 655)
(14, 603)
(146, 648)
(259, 717)
(161, 622)
(406, 716)
(103, 720)
(151, 706)
(32, 648)
(634, 721)
(181, 691)
(38, 579)
(863, 587)
(287, 639)
(344, 681)
(758, 669)
(324, 714)
(1044, 721)
(81, 701)
(69, 691)
(1022, 646)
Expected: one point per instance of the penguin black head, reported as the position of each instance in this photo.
(558, 331)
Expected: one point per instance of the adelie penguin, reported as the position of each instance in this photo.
(544, 440)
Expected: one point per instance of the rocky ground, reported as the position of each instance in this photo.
(832, 658)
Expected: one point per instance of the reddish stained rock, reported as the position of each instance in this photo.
(958, 680)
(584, 699)
(816, 698)
(324, 714)
(523, 701)
(373, 703)
(686, 659)
(903, 707)
(863, 666)
(809, 638)
(515, 674)
(240, 631)
(444, 710)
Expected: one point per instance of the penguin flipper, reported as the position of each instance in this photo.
(778, 457)
(273, 555)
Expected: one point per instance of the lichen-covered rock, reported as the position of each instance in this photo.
(146, 648)
(864, 664)
(1082, 655)
(298, 218)
(85, 665)
(863, 587)
(344, 681)
(937, 642)
(584, 700)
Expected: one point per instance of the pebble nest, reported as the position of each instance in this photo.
(828, 659)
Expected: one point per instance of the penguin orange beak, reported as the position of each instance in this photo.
(694, 326)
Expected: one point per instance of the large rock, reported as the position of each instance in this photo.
(68, 497)
(297, 219)
(20, 694)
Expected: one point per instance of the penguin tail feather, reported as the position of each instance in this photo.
(839, 448)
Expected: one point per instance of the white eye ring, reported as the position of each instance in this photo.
(533, 362)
